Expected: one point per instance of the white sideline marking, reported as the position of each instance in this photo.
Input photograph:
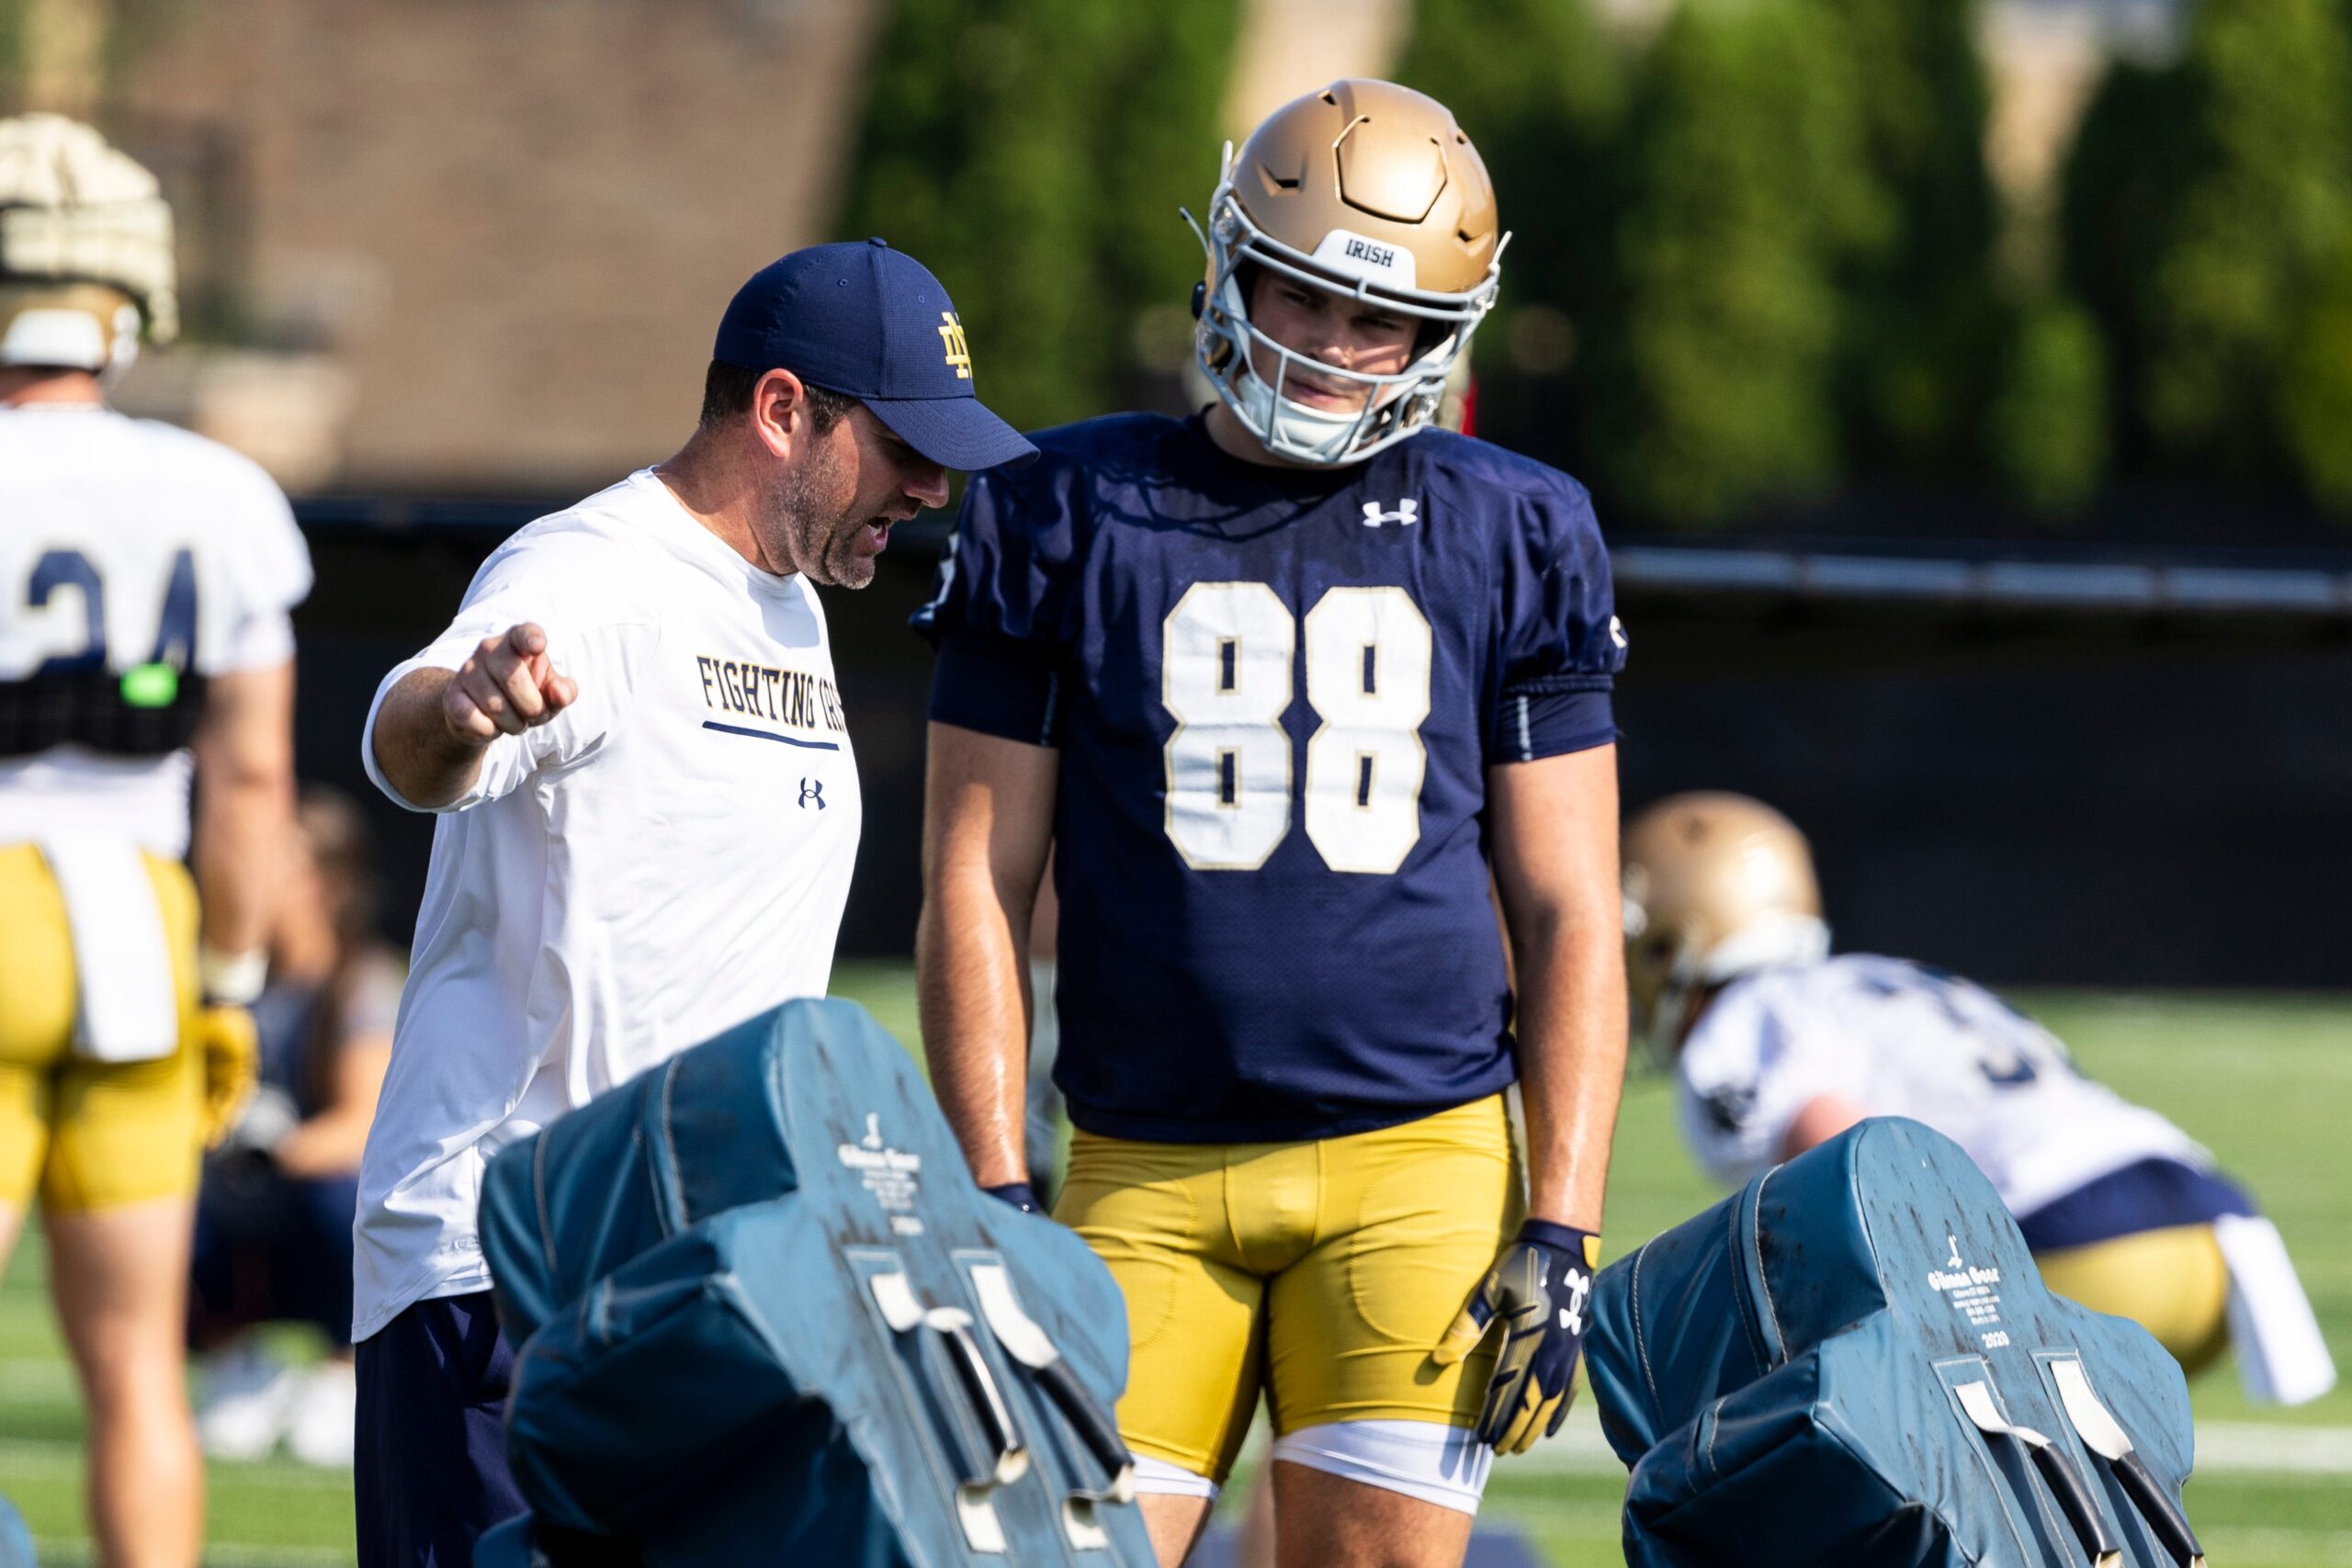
(2224, 1447)
(2237, 1446)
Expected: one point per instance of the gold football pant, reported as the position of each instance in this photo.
(1321, 1273)
(2172, 1283)
(88, 1134)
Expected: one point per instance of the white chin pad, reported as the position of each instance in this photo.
(1171, 1480)
(1426, 1459)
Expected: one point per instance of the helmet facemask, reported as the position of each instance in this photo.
(1395, 405)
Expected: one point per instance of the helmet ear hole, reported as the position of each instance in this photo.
(1200, 300)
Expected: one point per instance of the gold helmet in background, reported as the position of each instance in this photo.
(85, 249)
(1718, 886)
(1365, 188)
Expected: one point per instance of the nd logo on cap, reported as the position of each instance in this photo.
(959, 358)
(874, 324)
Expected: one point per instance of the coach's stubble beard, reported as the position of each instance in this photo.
(813, 508)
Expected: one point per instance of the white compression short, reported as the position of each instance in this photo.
(1436, 1464)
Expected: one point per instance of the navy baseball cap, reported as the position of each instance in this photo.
(872, 323)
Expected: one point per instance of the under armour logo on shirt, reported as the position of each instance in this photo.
(1408, 512)
(812, 792)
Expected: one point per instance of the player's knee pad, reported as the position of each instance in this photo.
(1434, 1462)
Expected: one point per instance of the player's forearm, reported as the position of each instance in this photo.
(244, 770)
(972, 978)
(430, 764)
(241, 816)
(1572, 1064)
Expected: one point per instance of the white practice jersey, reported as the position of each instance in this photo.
(123, 544)
(666, 859)
(1900, 1039)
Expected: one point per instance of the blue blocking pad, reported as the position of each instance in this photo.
(764, 1316)
(1853, 1360)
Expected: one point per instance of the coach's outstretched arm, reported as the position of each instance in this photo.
(988, 822)
(432, 728)
(1556, 866)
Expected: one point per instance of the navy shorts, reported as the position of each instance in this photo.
(2148, 1195)
(430, 1473)
(271, 1250)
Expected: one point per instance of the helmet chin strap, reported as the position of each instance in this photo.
(125, 350)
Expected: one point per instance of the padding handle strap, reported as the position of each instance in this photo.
(2075, 1502)
(1091, 1423)
(2155, 1505)
(2074, 1497)
(1009, 1458)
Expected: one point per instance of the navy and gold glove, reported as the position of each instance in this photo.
(1539, 1289)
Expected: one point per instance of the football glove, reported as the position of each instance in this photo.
(1539, 1289)
(231, 1048)
(1017, 1193)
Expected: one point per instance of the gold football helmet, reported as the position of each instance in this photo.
(1716, 887)
(1365, 188)
(85, 249)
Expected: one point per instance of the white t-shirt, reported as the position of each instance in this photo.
(666, 859)
(106, 523)
(1899, 1039)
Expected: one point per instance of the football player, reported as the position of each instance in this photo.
(1287, 683)
(145, 580)
(1777, 1046)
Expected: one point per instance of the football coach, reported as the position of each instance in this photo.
(650, 810)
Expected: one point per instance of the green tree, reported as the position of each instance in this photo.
(2207, 212)
(1034, 153)
(1540, 86)
(1716, 360)
(1919, 336)
(2045, 435)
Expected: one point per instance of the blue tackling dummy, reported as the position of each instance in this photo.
(1853, 1360)
(765, 1317)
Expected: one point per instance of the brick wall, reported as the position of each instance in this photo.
(514, 222)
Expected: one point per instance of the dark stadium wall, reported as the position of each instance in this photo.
(2052, 801)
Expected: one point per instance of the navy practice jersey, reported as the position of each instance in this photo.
(1275, 693)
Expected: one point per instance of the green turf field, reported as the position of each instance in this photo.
(2267, 1084)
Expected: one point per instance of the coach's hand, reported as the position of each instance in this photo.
(509, 685)
(1539, 1289)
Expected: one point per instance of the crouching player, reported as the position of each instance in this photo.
(1283, 681)
(1777, 1046)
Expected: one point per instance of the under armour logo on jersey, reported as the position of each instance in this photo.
(1408, 512)
(812, 792)
(959, 357)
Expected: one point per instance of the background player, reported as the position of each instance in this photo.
(145, 580)
(1281, 681)
(1777, 1046)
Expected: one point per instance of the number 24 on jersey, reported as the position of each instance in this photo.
(1226, 680)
